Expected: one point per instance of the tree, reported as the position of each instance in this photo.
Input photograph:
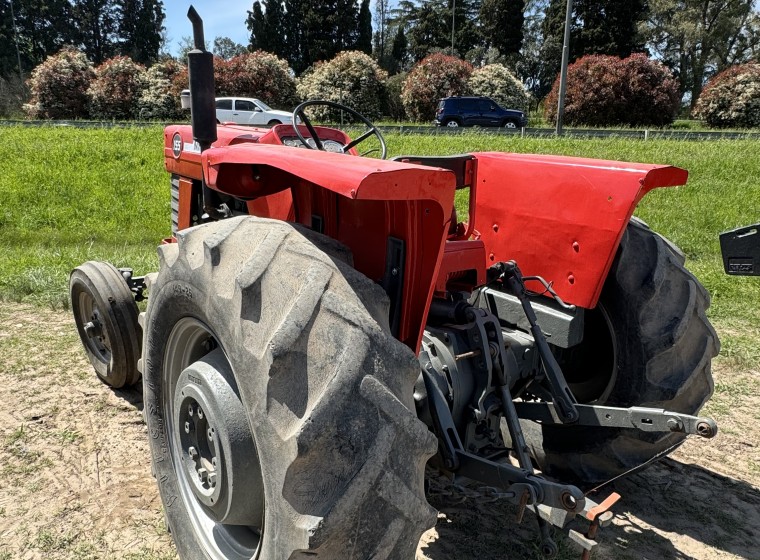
(428, 25)
(531, 63)
(498, 83)
(382, 15)
(257, 26)
(399, 51)
(160, 98)
(731, 98)
(42, 27)
(186, 44)
(364, 41)
(436, 76)
(59, 86)
(697, 38)
(607, 27)
(606, 90)
(96, 22)
(259, 74)
(352, 78)
(502, 24)
(226, 48)
(116, 89)
(139, 29)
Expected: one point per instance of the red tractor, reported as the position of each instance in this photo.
(323, 326)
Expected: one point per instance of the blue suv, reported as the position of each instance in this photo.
(477, 111)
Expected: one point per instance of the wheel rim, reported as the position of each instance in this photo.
(93, 324)
(590, 368)
(452, 124)
(510, 124)
(210, 443)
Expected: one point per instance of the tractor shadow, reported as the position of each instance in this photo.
(131, 395)
(671, 511)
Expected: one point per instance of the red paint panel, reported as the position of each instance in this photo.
(461, 267)
(185, 201)
(559, 217)
(353, 177)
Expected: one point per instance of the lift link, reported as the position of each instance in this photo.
(510, 274)
(500, 475)
(522, 485)
(636, 417)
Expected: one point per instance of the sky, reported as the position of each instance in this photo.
(221, 18)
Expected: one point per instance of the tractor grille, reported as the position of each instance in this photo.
(175, 203)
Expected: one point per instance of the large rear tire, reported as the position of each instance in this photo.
(648, 343)
(267, 318)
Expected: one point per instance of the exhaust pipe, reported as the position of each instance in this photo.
(200, 65)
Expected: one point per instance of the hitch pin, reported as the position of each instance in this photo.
(464, 356)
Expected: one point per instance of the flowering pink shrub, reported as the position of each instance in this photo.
(116, 89)
(259, 74)
(59, 86)
(731, 98)
(352, 78)
(431, 79)
(606, 90)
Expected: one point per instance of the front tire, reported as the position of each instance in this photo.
(105, 313)
(648, 343)
(272, 313)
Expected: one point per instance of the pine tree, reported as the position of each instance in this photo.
(553, 28)
(364, 42)
(257, 26)
(140, 25)
(608, 27)
(399, 51)
(502, 24)
(96, 23)
(275, 20)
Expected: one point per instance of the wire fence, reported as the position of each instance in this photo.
(444, 131)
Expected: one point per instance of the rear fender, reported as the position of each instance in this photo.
(561, 218)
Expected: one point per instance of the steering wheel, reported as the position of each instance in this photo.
(298, 113)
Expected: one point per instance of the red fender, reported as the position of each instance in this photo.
(561, 218)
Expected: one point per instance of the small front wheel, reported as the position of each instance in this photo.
(106, 317)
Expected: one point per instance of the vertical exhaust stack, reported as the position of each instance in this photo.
(200, 65)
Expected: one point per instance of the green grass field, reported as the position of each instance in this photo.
(71, 195)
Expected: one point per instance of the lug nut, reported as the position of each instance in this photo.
(190, 409)
(212, 479)
(202, 474)
(187, 427)
(193, 452)
(210, 434)
(200, 413)
(213, 461)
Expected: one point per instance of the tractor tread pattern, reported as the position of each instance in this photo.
(328, 394)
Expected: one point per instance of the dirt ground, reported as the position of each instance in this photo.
(75, 468)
